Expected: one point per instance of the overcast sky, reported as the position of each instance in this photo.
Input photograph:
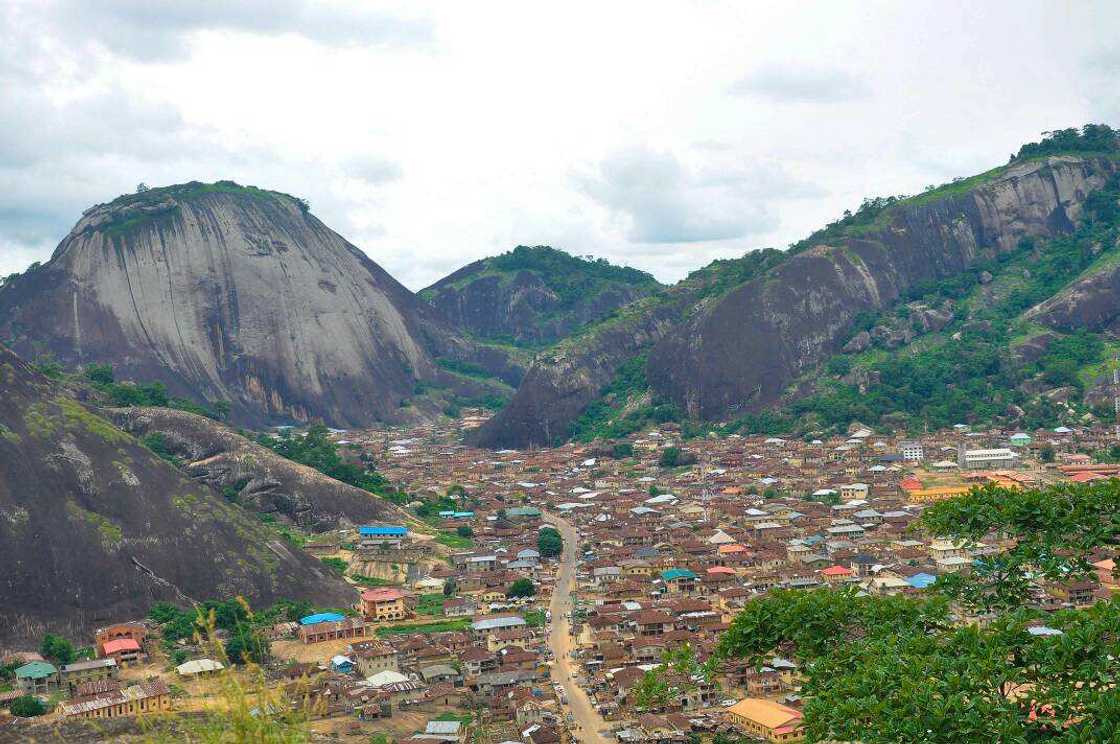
(657, 135)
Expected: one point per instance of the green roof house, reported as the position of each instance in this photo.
(37, 677)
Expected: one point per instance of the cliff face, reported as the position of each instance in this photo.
(264, 481)
(226, 293)
(744, 351)
(534, 295)
(95, 528)
(741, 349)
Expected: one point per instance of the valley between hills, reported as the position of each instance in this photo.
(859, 489)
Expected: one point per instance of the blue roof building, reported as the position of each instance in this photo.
(677, 573)
(387, 530)
(321, 617)
(921, 580)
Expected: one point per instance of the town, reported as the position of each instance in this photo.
(573, 593)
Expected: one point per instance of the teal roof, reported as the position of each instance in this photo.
(35, 670)
(677, 573)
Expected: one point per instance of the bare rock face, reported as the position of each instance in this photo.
(95, 528)
(229, 293)
(744, 351)
(262, 480)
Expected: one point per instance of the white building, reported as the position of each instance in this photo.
(911, 451)
(988, 458)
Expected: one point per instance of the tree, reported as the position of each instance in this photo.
(464, 531)
(550, 544)
(27, 706)
(885, 669)
(247, 645)
(669, 457)
(672, 457)
(521, 588)
(449, 587)
(622, 450)
(100, 374)
(57, 649)
(142, 187)
(1046, 454)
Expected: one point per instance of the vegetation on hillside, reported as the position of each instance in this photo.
(968, 373)
(1091, 138)
(571, 277)
(315, 449)
(619, 410)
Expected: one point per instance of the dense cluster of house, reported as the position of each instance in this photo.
(669, 555)
(92, 688)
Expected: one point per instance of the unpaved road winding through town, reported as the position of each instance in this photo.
(588, 720)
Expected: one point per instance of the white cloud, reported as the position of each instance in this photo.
(663, 201)
(146, 30)
(432, 134)
(799, 84)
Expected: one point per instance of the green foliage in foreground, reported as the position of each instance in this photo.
(884, 669)
(1054, 530)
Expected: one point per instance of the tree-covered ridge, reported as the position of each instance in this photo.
(563, 272)
(571, 278)
(894, 668)
(1091, 138)
(875, 211)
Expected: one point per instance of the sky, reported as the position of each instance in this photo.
(660, 135)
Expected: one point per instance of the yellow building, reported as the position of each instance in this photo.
(927, 495)
(149, 697)
(766, 719)
(383, 604)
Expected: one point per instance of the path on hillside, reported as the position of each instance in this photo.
(588, 720)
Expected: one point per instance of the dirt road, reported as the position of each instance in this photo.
(588, 720)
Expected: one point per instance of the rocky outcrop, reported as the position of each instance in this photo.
(95, 528)
(741, 349)
(229, 293)
(257, 477)
(534, 295)
(1092, 303)
(743, 352)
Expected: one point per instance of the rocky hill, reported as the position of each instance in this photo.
(534, 295)
(94, 527)
(231, 293)
(252, 475)
(961, 264)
